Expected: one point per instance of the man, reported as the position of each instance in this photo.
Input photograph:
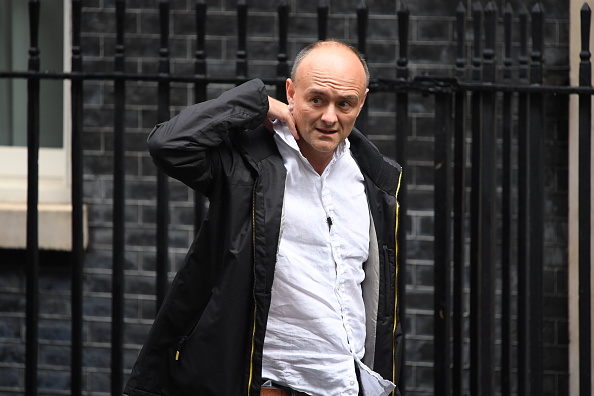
(291, 284)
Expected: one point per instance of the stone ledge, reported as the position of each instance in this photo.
(55, 226)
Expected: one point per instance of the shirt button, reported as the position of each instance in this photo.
(350, 392)
(352, 382)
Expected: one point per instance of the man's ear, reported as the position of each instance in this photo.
(290, 88)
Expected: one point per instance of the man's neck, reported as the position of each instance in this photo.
(317, 159)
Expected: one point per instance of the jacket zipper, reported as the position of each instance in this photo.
(179, 347)
(394, 365)
(251, 375)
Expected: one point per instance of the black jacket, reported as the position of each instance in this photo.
(208, 336)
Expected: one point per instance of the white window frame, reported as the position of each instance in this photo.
(573, 272)
(55, 207)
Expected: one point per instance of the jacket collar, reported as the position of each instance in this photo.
(259, 145)
(382, 171)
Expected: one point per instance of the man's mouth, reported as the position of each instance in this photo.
(326, 131)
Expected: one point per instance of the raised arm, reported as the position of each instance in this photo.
(189, 146)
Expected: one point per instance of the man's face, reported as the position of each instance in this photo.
(326, 97)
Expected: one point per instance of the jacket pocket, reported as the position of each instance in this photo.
(182, 365)
(388, 279)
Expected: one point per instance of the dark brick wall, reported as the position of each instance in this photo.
(432, 49)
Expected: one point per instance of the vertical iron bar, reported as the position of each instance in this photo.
(442, 246)
(362, 18)
(200, 93)
(475, 198)
(506, 212)
(162, 242)
(523, 215)
(584, 209)
(459, 210)
(32, 304)
(401, 134)
(117, 305)
(77, 258)
(282, 68)
(536, 192)
(322, 19)
(488, 217)
(241, 63)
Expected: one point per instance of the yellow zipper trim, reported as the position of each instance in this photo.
(394, 364)
(254, 291)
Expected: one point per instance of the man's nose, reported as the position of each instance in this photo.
(329, 115)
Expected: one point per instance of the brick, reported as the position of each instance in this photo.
(423, 299)
(425, 377)
(140, 236)
(10, 302)
(424, 275)
(433, 30)
(99, 381)
(143, 285)
(54, 355)
(100, 283)
(55, 330)
(554, 358)
(12, 377)
(12, 352)
(423, 325)
(97, 306)
(136, 333)
(419, 199)
(11, 327)
(98, 259)
(96, 357)
(99, 332)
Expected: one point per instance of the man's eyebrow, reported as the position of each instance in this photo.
(315, 92)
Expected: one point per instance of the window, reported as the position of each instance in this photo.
(54, 162)
(15, 33)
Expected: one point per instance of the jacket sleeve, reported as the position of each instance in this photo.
(189, 147)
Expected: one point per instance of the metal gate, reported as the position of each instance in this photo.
(478, 104)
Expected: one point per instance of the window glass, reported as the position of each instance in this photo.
(14, 54)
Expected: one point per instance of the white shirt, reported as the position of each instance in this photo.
(316, 325)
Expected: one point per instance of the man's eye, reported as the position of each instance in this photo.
(316, 100)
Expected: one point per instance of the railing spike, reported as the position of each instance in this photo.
(403, 25)
(322, 19)
(460, 39)
(200, 55)
(585, 14)
(362, 20)
(282, 68)
(477, 17)
(507, 33)
(241, 62)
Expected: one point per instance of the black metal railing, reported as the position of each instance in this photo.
(520, 106)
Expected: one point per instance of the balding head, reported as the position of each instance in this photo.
(328, 44)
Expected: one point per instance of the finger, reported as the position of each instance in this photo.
(292, 128)
(281, 111)
(276, 109)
